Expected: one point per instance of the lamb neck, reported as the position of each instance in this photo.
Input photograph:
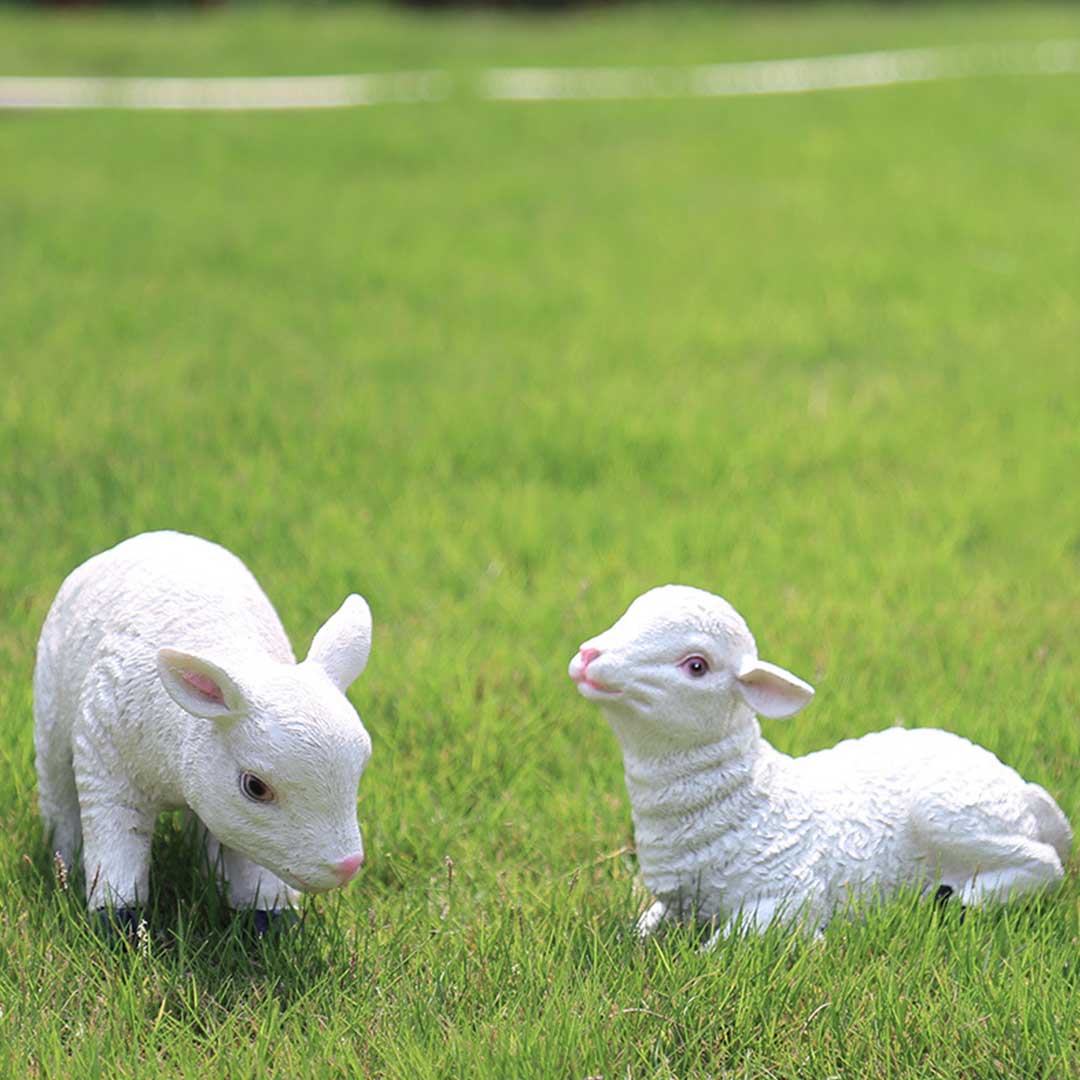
(686, 801)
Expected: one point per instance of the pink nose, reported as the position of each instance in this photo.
(587, 657)
(346, 869)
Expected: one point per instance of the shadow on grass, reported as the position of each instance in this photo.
(186, 931)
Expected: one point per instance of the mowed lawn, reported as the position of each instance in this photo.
(501, 368)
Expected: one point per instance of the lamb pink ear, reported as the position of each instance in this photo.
(770, 690)
(198, 686)
(343, 643)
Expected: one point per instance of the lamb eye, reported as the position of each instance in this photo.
(695, 666)
(255, 789)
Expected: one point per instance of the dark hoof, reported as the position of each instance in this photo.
(116, 923)
(274, 923)
(942, 897)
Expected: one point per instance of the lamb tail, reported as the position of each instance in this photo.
(1054, 828)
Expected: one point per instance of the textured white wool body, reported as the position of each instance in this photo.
(727, 827)
(116, 747)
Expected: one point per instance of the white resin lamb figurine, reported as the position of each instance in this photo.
(164, 680)
(727, 828)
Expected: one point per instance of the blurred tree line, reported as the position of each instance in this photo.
(420, 4)
(535, 5)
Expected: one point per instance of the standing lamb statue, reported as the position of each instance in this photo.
(164, 679)
(729, 829)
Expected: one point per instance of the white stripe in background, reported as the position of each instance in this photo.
(797, 76)
(292, 92)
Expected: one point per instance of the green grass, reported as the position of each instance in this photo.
(501, 368)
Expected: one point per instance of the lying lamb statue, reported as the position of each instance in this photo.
(729, 829)
(164, 679)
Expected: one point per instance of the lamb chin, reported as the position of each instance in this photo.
(592, 692)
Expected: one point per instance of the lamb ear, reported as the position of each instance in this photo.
(343, 643)
(770, 690)
(199, 686)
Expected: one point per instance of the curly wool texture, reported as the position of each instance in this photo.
(163, 678)
(728, 828)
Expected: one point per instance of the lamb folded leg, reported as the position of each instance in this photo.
(751, 918)
(1007, 868)
(980, 867)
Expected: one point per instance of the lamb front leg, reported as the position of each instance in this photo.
(117, 819)
(651, 919)
(116, 856)
(249, 885)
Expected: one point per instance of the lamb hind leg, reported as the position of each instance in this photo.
(58, 795)
(994, 868)
(995, 861)
(1008, 868)
(58, 800)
